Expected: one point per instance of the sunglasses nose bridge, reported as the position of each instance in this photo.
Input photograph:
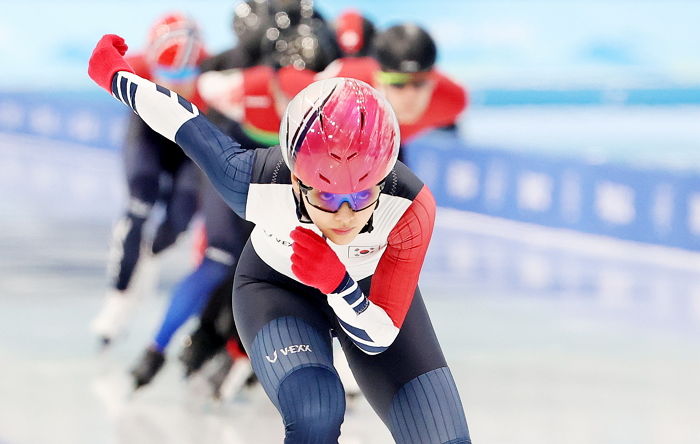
(342, 200)
(344, 212)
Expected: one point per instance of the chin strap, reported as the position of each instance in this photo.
(302, 214)
(369, 226)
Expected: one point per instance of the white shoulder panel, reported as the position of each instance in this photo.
(163, 110)
(271, 207)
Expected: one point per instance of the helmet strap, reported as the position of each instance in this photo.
(302, 214)
(369, 226)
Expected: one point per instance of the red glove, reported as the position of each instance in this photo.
(106, 60)
(314, 262)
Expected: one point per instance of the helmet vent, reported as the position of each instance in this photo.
(335, 156)
(324, 178)
(363, 177)
(321, 122)
(352, 155)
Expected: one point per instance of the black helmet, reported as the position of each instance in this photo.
(405, 48)
(354, 33)
(292, 12)
(307, 45)
(250, 20)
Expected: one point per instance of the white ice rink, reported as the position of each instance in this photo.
(553, 338)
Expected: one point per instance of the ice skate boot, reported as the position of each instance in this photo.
(148, 367)
(200, 347)
(216, 379)
(111, 321)
(239, 376)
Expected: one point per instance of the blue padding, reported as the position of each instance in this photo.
(357, 332)
(123, 91)
(354, 296)
(115, 84)
(190, 296)
(163, 90)
(132, 95)
(184, 103)
(287, 344)
(362, 306)
(427, 410)
(312, 403)
(346, 283)
(369, 349)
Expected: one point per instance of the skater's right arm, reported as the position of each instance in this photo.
(228, 166)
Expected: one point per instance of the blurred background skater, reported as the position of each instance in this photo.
(354, 33)
(226, 234)
(291, 37)
(422, 97)
(402, 66)
(295, 45)
(223, 231)
(156, 171)
(251, 18)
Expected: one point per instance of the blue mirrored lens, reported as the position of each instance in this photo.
(333, 201)
(176, 75)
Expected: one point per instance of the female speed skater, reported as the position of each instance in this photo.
(225, 232)
(341, 233)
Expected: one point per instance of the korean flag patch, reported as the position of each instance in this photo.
(357, 251)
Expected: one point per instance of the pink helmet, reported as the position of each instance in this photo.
(339, 135)
(174, 42)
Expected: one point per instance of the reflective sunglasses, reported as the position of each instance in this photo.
(331, 202)
(181, 75)
(401, 80)
(417, 84)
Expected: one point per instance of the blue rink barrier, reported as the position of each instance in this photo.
(586, 97)
(88, 118)
(645, 205)
(93, 118)
(652, 206)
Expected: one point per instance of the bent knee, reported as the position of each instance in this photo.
(312, 403)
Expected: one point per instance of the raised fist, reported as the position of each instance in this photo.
(107, 59)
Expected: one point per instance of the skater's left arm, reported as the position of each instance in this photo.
(372, 323)
(223, 160)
